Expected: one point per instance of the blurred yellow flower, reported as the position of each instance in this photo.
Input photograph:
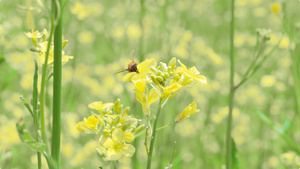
(115, 147)
(43, 50)
(134, 31)
(102, 108)
(268, 81)
(85, 37)
(171, 90)
(88, 125)
(276, 7)
(118, 33)
(192, 73)
(189, 110)
(83, 11)
(34, 35)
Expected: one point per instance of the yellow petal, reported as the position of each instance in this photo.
(128, 76)
(152, 96)
(144, 67)
(183, 66)
(200, 78)
(180, 118)
(118, 135)
(129, 137)
(79, 126)
(112, 154)
(128, 150)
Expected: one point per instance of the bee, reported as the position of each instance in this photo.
(132, 66)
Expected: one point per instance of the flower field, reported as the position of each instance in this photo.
(156, 84)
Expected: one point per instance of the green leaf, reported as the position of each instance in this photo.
(40, 147)
(27, 138)
(234, 159)
(285, 137)
(287, 123)
(27, 105)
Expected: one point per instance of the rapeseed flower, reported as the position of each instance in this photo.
(89, 125)
(115, 147)
(116, 129)
(189, 110)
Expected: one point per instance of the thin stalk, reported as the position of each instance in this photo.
(57, 80)
(43, 84)
(39, 160)
(165, 126)
(153, 135)
(232, 89)
(143, 10)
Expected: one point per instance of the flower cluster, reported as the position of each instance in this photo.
(115, 128)
(165, 80)
(41, 46)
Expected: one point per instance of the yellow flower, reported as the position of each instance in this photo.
(116, 147)
(146, 99)
(143, 67)
(276, 8)
(34, 35)
(102, 108)
(88, 125)
(171, 90)
(191, 73)
(43, 50)
(189, 110)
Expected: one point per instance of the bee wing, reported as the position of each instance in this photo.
(120, 70)
(132, 55)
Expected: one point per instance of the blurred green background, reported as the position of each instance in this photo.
(101, 35)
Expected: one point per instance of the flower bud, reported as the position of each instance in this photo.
(153, 69)
(140, 128)
(166, 75)
(64, 43)
(154, 80)
(160, 79)
(116, 120)
(35, 49)
(106, 132)
(164, 66)
(126, 111)
(116, 105)
(119, 111)
(159, 73)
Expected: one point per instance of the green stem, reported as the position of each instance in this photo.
(43, 84)
(39, 160)
(232, 89)
(57, 79)
(153, 135)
